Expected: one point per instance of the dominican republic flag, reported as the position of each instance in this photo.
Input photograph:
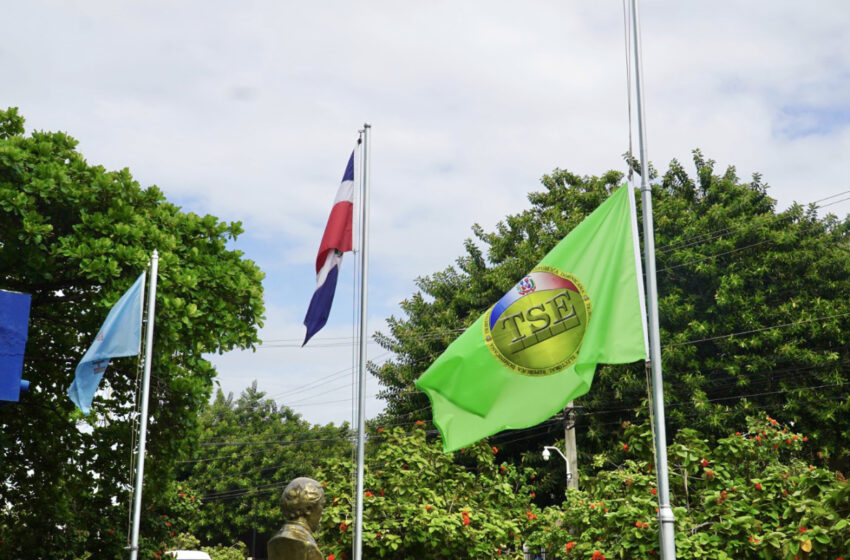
(335, 242)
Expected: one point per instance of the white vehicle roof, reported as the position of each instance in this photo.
(187, 554)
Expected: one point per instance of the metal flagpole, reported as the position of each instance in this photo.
(570, 445)
(143, 421)
(665, 512)
(362, 339)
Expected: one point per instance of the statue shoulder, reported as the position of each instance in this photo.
(293, 542)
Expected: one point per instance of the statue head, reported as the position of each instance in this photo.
(303, 499)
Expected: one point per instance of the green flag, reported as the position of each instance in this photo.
(537, 348)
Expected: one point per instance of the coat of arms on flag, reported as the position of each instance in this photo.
(525, 286)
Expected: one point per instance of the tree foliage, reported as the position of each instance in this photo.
(754, 307)
(75, 236)
(249, 449)
(747, 495)
(422, 503)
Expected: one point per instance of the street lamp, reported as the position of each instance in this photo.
(547, 454)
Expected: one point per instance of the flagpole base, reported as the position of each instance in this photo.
(666, 521)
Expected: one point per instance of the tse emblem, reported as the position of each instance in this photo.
(537, 328)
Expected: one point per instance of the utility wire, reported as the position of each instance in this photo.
(342, 340)
(711, 235)
(829, 197)
(753, 331)
(412, 390)
(312, 345)
(713, 381)
(714, 256)
(307, 402)
(507, 438)
(626, 408)
(776, 375)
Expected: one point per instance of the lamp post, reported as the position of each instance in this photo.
(547, 454)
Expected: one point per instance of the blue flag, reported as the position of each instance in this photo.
(120, 335)
(14, 319)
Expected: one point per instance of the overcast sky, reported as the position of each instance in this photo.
(248, 110)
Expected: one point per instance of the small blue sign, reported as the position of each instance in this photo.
(14, 324)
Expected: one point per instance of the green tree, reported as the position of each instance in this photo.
(168, 522)
(753, 307)
(75, 236)
(249, 450)
(750, 494)
(747, 495)
(422, 503)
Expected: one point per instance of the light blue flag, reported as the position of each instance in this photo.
(120, 335)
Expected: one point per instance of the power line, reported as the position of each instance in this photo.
(220, 457)
(831, 196)
(335, 341)
(267, 442)
(773, 239)
(708, 257)
(711, 235)
(544, 425)
(316, 382)
(528, 433)
(316, 339)
(753, 331)
(836, 202)
(698, 239)
(312, 345)
(682, 243)
(739, 396)
(411, 390)
(671, 345)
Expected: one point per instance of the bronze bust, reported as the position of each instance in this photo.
(302, 502)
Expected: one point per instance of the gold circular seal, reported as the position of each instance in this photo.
(538, 326)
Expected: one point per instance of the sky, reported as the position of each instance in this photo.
(249, 110)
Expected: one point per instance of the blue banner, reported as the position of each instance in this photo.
(14, 322)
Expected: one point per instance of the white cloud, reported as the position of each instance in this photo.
(249, 110)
